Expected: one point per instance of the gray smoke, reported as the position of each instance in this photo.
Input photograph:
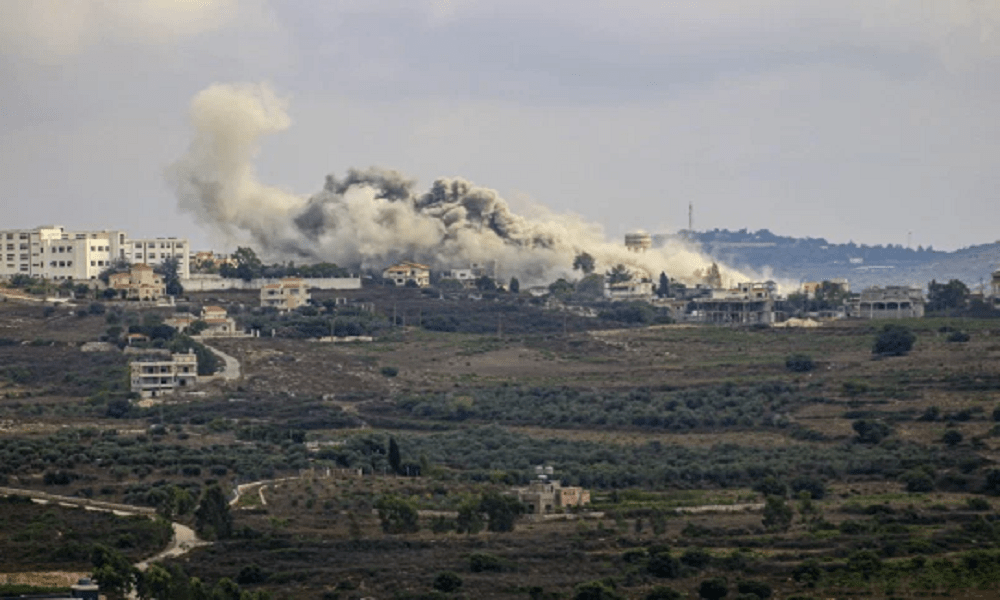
(374, 217)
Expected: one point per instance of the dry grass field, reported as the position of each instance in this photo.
(650, 419)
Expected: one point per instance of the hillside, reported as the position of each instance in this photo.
(816, 259)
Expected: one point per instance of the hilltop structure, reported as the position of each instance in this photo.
(53, 252)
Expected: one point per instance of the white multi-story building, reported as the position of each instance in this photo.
(154, 251)
(52, 252)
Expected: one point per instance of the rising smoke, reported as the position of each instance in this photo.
(371, 218)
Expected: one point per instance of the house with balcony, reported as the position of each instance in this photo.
(156, 376)
(286, 294)
(405, 272)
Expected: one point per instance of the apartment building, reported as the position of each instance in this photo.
(53, 252)
(154, 377)
(287, 294)
(154, 251)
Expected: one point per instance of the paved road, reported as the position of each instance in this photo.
(184, 539)
(231, 370)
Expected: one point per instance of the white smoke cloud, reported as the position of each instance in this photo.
(374, 217)
(53, 30)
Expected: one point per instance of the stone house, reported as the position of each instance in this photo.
(140, 283)
(287, 294)
(543, 497)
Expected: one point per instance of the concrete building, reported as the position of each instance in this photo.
(140, 283)
(153, 377)
(638, 287)
(809, 288)
(220, 324)
(51, 252)
(543, 497)
(287, 294)
(408, 271)
(154, 251)
(217, 320)
(638, 242)
(891, 302)
(467, 277)
(748, 303)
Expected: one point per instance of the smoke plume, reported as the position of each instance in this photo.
(374, 217)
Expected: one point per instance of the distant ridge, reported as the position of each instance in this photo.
(815, 259)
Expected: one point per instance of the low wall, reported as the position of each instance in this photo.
(212, 283)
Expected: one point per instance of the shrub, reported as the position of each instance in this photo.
(952, 437)
(977, 504)
(894, 340)
(958, 336)
(871, 432)
(594, 590)
(662, 592)
(447, 582)
(696, 558)
(661, 564)
(799, 363)
(757, 588)
(480, 562)
(815, 487)
(715, 588)
(390, 371)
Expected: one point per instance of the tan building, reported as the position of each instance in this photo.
(287, 294)
(152, 378)
(639, 286)
(543, 497)
(750, 302)
(408, 271)
(891, 302)
(220, 324)
(140, 283)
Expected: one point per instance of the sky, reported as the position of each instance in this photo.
(871, 121)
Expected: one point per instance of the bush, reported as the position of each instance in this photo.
(977, 504)
(958, 336)
(799, 363)
(594, 590)
(952, 437)
(894, 340)
(715, 588)
(696, 558)
(871, 432)
(480, 562)
(661, 564)
(662, 592)
(757, 588)
(447, 582)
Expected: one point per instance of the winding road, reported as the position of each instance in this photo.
(184, 540)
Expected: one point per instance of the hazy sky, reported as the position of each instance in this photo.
(860, 120)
